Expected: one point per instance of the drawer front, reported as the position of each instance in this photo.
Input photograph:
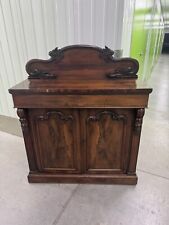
(81, 101)
(55, 136)
(107, 137)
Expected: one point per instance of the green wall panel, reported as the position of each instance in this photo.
(147, 35)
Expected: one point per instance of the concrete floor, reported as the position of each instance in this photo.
(64, 204)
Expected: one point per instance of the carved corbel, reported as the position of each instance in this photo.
(22, 119)
(139, 119)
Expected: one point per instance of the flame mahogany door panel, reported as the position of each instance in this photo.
(107, 137)
(56, 139)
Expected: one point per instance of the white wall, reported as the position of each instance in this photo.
(129, 6)
(31, 28)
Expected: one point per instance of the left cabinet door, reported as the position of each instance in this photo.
(56, 139)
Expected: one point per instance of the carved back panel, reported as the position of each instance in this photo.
(82, 62)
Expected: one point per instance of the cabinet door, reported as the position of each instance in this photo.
(107, 138)
(56, 139)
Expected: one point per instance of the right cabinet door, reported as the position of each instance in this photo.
(106, 139)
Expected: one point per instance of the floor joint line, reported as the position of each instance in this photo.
(55, 222)
(153, 174)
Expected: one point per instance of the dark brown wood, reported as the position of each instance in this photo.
(81, 114)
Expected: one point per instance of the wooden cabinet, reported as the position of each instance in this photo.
(81, 114)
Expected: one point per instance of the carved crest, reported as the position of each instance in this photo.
(107, 54)
(80, 60)
(56, 53)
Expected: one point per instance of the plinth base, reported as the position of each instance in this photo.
(82, 178)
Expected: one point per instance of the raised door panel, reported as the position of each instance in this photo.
(56, 140)
(107, 138)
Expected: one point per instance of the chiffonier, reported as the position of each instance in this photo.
(81, 114)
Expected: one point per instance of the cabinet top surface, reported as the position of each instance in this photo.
(80, 69)
(80, 87)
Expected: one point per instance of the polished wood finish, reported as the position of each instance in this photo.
(81, 114)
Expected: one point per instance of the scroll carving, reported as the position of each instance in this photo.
(114, 116)
(23, 119)
(38, 74)
(139, 119)
(58, 114)
(128, 72)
